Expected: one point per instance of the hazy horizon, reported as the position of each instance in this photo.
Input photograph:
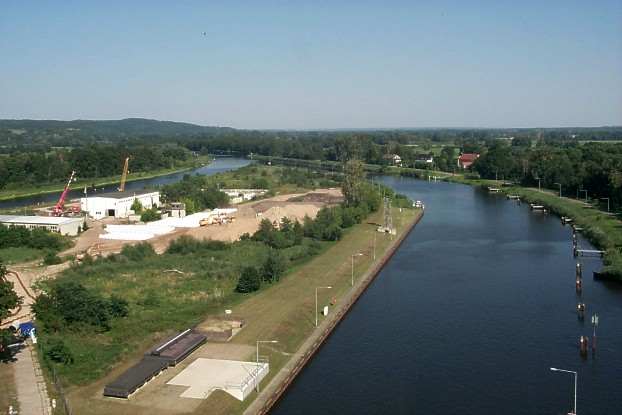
(311, 66)
(320, 128)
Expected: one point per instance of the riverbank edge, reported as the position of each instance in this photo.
(105, 182)
(288, 373)
(612, 269)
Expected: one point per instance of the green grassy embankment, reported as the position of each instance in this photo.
(30, 190)
(285, 312)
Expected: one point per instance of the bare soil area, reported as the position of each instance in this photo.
(248, 217)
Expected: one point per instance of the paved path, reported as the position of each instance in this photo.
(31, 390)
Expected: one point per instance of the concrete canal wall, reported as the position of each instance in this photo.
(279, 384)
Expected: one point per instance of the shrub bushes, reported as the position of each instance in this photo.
(51, 259)
(249, 280)
(149, 215)
(138, 252)
(57, 352)
(289, 234)
(17, 236)
(274, 267)
(137, 207)
(69, 303)
(185, 245)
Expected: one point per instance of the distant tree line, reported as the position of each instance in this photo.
(90, 161)
(38, 152)
(594, 167)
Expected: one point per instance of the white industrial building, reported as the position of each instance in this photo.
(242, 195)
(118, 204)
(63, 225)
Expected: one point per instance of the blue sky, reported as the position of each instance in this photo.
(305, 65)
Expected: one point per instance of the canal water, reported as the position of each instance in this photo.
(217, 166)
(467, 318)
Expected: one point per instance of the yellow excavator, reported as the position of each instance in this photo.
(124, 175)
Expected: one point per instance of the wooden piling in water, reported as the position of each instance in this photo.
(581, 311)
(583, 345)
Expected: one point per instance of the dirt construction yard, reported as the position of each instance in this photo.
(247, 219)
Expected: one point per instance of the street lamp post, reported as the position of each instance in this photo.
(317, 288)
(607, 199)
(257, 374)
(352, 273)
(560, 189)
(583, 190)
(554, 369)
(375, 233)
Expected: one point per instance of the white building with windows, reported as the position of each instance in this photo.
(242, 195)
(394, 159)
(118, 204)
(63, 225)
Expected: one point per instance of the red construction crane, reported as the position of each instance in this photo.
(59, 209)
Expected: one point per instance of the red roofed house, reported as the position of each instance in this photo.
(466, 159)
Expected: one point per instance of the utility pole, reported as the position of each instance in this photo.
(375, 233)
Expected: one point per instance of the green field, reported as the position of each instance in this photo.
(159, 301)
(20, 254)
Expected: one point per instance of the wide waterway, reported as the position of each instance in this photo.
(217, 166)
(467, 318)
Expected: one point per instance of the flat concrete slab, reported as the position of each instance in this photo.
(203, 376)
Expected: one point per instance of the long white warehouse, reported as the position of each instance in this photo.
(62, 225)
(118, 204)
